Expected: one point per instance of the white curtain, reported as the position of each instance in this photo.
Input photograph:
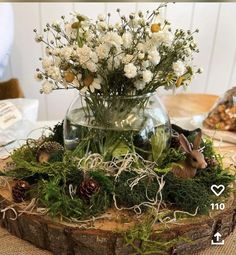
(6, 34)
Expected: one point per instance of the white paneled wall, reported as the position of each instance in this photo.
(216, 40)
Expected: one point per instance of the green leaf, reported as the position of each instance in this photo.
(121, 150)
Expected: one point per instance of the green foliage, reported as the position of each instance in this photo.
(158, 142)
(143, 241)
(53, 178)
(187, 194)
(127, 197)
(57, 135)
(53, 197)
(172, 156)
(25, 153)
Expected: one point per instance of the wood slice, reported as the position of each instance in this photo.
(106, 238)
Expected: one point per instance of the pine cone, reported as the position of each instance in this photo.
(87, 188)
(20, 191)
(174, 142)
(49, 151)
(211, 162)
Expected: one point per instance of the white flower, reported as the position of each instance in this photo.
(83, 54)
(139, 85)
(72, 33)
(118, 25)
(84, 25)
(47, 87)
(66, 52)
(141, 55)
(154, 57)
(91, 66)
(112, 39)
(76, 82)
(54, 72)
(56, 51)
(47, 62)
(141, 47)
(179, 68)
(101, 17)
(102, 51)
(134, 22)
(147, 76)
(165, 37)
(127, 59)
(102, 26)
(96, 84)
(94, 57)
(127, 39)
(130, 70)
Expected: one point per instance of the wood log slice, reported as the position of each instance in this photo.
(105, 236)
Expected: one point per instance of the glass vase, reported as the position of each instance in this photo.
(117, 125)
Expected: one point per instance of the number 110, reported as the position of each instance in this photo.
(218, 206)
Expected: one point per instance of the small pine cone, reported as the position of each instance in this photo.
(20, 191)
(174, 142)
(87, 188)
(211, 162)
(49, 151)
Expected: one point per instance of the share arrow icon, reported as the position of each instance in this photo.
(217, 237)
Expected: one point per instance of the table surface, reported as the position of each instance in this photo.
(182, 105)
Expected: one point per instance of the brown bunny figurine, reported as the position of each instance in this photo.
(194, 158)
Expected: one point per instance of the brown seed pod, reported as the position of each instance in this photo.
(69, 76)
(75, 25)
(179, 81)
(87, 188)
(20, 191)
(87, 81)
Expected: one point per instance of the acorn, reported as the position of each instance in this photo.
(49, 152)
(69, 76)
(156, 27)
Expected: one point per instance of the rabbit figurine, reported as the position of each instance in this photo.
(194, 158)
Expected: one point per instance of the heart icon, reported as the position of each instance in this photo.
(217, 189)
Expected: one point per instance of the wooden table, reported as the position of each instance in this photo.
(187, 105)
(182, 105)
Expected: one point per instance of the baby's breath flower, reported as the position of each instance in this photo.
(154, 57)
(47, 62)
(47, 87)
(130, 70)
(179, 68)
(147, 76)
(139, 85)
